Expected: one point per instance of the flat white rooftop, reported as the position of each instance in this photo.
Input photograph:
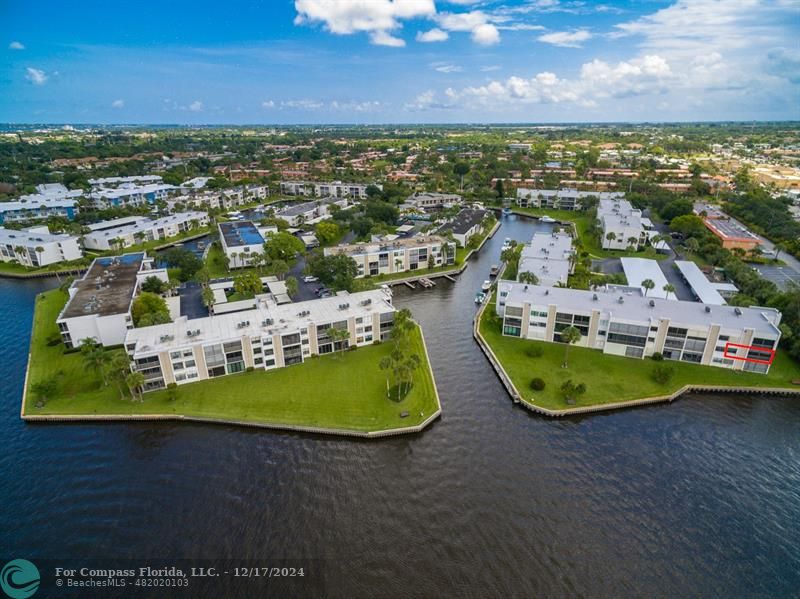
(636, 308)
(283, 319)
(640, 269)
(705, 291)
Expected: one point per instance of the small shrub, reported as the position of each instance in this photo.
(662, 373)
(172, 391)
(534, 351)
(658, 356)
(250, 368)
(537, 384)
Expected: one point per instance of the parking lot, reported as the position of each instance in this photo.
(780, 275)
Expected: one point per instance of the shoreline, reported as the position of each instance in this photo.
(517, 398)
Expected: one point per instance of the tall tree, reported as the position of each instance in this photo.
(569, 336)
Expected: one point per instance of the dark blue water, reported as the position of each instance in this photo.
(701, 497)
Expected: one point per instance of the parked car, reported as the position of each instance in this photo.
(326, 293)
(310, 279)
(320, 290)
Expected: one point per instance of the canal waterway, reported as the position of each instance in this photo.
(696, 498)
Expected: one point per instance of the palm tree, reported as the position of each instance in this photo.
(569, 336)
(386, 364)
(668, 288)
(134, 382)
(207, 296)
(648, 284)
(20, 250)
(692, 245)
(398, 264)
(779, 247)
(39, 251)
(611, 236)
(95, 357)
(633, 241)
(119, 367)
(340, 336)
(528, 277)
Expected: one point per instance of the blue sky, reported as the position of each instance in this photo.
(399, 61)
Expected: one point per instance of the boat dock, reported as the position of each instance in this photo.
(427, 283)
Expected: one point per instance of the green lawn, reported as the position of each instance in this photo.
(610, 378)
(346, 391)
(215, 263)
(18, 269)
(590, 242)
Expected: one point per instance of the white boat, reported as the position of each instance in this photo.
(480, 297)
(547, 219)
(494, 270)
(487, 285)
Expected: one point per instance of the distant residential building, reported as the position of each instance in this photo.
(266, 337)
(621, 224)
(21, 245)
(635, 326)
(309, 212)
(130, 194)
(464, 226)
(131, 230)
(335, 189)
(423, 200)
(519, 147)
(549, 256)
(398, 255)
(99, 305)
(565, 198)
(50, 199)
(106, 182)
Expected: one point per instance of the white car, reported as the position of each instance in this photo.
(310, 279)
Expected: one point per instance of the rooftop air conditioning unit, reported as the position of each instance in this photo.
(737, 311)
(708, 309)
(652, 303)
(621, 300)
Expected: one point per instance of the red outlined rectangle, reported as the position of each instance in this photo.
(748, 348)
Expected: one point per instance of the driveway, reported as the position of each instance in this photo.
(780, 275)
(192, 300)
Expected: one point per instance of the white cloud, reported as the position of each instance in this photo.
(302, 104)
(377, 17)
(118, 104)
(268, 104)
(35, 76)
(423, 101)
(196, 106)
(353, 106)
(446, 67)
(566, 39)
(486, 34)
(16, 46)
(490, 68)
(476, 22)
(434, 35)
(383, 38)
(463, 21)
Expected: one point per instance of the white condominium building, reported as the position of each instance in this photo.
(400, 255)
(241, 240)
(335, 189)
(423, 200)
(266, 337)
(127, 231)
(549, 256)
(131, 194)
(631, 325)
(99, 305)
(309, 212)
(566, 198)
(50, 199)
(622, 225)
(36, 246)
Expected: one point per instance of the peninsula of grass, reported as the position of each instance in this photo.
(15, 269)
(610, 379)
(583, 225)
(342, 392)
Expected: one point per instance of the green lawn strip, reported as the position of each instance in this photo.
(346, 391)
(19, 269)
(149, 246)
(583, 223)
(611, 378)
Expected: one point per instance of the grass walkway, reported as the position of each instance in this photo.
(608, 378)
(346, 391)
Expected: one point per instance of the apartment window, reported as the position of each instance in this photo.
(692, 357)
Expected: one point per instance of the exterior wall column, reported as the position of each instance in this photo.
(594, 325)
(711, 344)
(551, 322)
(247, 352)
(526, 320)
(200, 361)
(166, 367)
